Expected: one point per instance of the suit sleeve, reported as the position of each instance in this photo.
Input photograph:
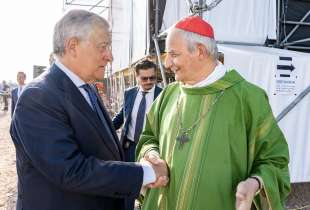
(41, 132)
(12, 103)
(118, 120)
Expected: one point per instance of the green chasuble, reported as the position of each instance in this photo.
(232, 135)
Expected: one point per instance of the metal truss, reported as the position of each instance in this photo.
(201, 6)
(287, 41)
(96, 6)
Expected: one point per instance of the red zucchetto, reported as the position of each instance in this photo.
(196, 25)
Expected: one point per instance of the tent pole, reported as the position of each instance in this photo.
(293, 104)
(156, 17)
(162, 71)
(155, 39)
(201, 4)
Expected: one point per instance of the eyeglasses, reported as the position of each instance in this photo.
(151, 78)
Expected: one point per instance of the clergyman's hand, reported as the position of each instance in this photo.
(246, 191)
(161, 170)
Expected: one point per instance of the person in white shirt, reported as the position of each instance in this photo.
(129, 114)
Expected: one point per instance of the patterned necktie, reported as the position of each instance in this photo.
(140, 118)
(94, 101)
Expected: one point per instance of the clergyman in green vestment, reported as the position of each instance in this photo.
(215, 130)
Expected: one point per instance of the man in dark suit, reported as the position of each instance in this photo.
(68, 156)
(129, 114)
(15, 93)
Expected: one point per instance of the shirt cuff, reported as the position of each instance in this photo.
(153, 152)
(149, 175)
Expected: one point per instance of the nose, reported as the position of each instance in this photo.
(168, 61)
(108, 55)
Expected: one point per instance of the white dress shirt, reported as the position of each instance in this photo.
(19, 90)
(218, 72)
(149, 97)
(77, 81)
(148, 172)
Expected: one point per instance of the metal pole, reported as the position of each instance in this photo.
(296, 42)
(293, 104)
(156, 17)
(297, 47)
(162, 71)
(190, 5)
(85, 5)
(94, 6)
(200, 7)
(297, 23)
(278, 23)
(295, 28)
(238, 43)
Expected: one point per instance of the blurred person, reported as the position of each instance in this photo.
(68, 154)
(215, 130)
(16, 92)
(5, 95)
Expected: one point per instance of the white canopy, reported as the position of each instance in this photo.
(245, 21)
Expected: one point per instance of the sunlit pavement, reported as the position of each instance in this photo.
(8, 177)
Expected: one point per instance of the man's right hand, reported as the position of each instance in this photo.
(161, 170)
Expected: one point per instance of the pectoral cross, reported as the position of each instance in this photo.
(182, 138)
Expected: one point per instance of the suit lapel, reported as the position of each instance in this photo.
(109, 124)
(131, 102)
(157, 92)
(73, 94)
(15, 95)
(131, 97)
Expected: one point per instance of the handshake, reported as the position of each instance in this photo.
(160, 168)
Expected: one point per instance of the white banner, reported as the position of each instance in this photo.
(263, 67)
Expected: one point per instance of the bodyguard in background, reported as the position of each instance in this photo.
(137, 102)
(21, 77)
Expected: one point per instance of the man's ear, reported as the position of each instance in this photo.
(202, 51)
(71, 46)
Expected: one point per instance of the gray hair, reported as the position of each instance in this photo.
(193, 39)
(76, 23)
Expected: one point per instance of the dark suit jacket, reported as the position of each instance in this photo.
(124, 114)
(67, 159)
(14, 99)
